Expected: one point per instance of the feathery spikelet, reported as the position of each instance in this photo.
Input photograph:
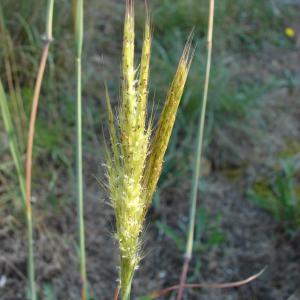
(132, 180)
(165, 126)
(129, 152)
(144, 74)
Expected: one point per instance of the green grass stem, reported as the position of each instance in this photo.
(198, 155)
(79, 171)
(17, 113)
(201, 126)
(11, 135)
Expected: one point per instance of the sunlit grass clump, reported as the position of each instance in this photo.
(135, 158)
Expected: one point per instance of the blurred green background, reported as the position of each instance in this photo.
(249, 213)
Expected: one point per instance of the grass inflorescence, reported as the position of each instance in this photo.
(135, 160)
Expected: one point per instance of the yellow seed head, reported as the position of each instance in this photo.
(133, 165)
(165, 126)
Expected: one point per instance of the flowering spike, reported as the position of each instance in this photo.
(165, 126)
(128, 169)
(144, 73)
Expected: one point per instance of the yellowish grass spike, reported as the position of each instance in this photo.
(112, 129)
(128, 108)
(165, 125)
(144, 72)
(132, 180)
(125, 179)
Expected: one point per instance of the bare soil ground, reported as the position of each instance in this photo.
(253, 239)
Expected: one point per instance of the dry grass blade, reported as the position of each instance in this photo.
(34, 109)
(117, 292)
(225, 285)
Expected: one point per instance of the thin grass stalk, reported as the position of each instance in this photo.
(18, 112)
(11, 135)
(117, 292)
(79, 169)
(198, 156)
(32, 121)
